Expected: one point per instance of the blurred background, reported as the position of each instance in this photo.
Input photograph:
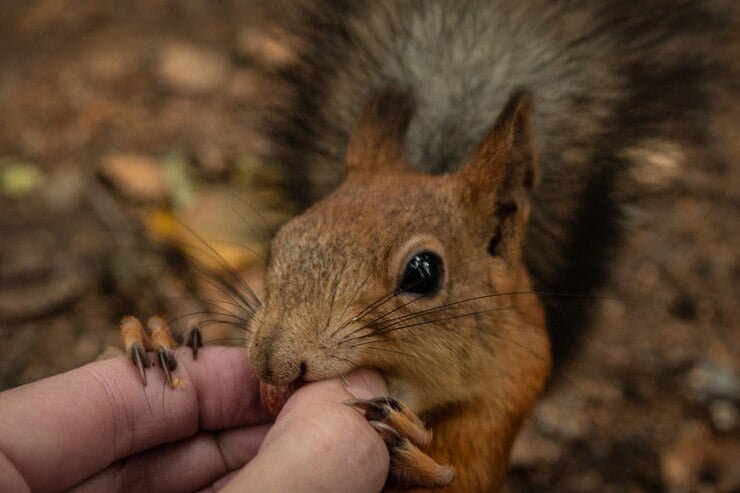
(132, 161)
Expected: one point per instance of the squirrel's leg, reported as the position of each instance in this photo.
(405, 435)
(159, 338)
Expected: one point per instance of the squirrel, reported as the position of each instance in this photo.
(457, 158)
(462, 163)
(423, 278)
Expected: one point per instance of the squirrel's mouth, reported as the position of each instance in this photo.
(274, 397)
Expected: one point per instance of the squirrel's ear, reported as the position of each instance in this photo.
(497, 182)
(377, 140)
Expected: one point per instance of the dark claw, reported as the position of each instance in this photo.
(168, 362)
(389, 435)
(375, 409)
(389, 410)
(141, 360)
(194, 340)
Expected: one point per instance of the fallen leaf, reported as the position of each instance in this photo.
(18, 178)
(136, 176)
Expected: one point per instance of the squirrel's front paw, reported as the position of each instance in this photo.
(404, 433)
(158, 338)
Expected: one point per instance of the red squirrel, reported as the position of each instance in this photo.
(421, 277)
(461, 160)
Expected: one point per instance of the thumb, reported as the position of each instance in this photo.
(319, 444)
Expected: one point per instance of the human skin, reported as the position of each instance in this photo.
(96, 428)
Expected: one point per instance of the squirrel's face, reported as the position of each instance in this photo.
(419, 276)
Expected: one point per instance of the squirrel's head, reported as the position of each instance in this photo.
(419, 276)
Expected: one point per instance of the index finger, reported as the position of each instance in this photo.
(320, 444)
(63, 429)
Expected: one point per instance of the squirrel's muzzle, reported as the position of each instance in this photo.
(276, 360)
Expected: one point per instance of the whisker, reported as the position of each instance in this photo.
(224, 339)
(252, 316)
(238, 245)
(409, 316)
(346, 360)
(498, 335)
(205, 273)
(209, 273)
(331, 307)
(357, 290)
(206, 312)
(509, 340)
(220, 259)
(213, 301)
(377, 303)
(359, 284)
(387, 350)
(405, 317)
(236, 325)
(417, 324)
(371, 322)
(271, 228)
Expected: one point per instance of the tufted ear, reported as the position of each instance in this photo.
(377, 140)
(497, 181)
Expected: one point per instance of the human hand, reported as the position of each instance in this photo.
(96, 429)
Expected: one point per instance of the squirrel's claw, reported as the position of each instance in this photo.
(194, 340)
(141, 360)
(403, 432)
(395, 414)
(164, 343)
(168, 362)
(375, 409)
(136, 343)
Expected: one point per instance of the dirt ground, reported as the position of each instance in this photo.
(106, 131)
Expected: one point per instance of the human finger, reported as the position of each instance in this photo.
(181, 466)
(318, 444)
(61, 430)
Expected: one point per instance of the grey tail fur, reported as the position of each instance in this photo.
(607, 77)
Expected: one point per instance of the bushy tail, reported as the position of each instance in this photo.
(611, 81)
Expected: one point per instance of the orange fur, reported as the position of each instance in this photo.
(473, 369)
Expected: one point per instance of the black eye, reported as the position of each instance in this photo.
(423, 274)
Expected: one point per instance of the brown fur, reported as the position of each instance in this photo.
(612, 82)
(471, 376)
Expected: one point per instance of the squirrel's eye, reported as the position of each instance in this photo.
(423, 274)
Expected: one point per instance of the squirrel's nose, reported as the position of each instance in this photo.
(301, 378)
(276, 364)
